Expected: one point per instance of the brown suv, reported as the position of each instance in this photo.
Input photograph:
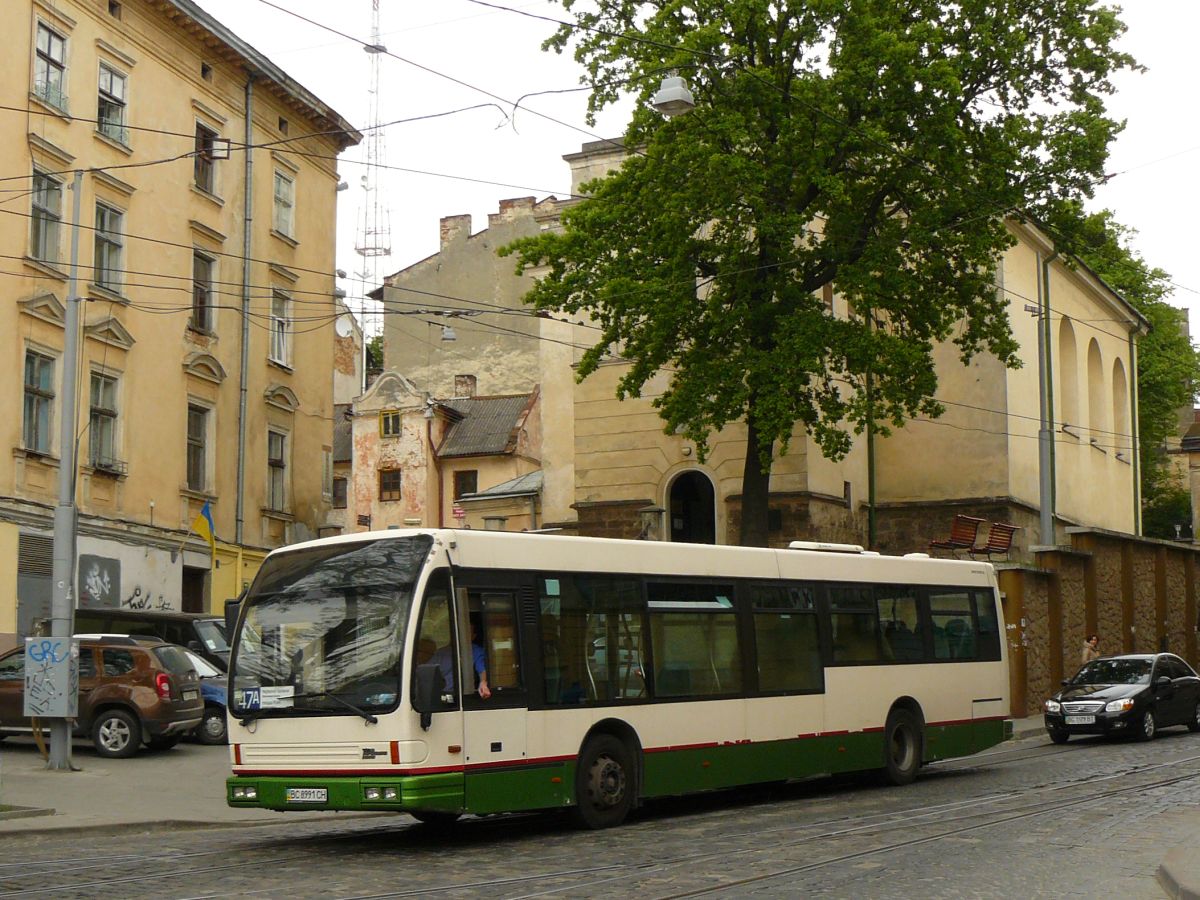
(130, 690)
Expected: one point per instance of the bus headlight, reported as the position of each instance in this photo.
(389, 794)
(1053, 706)
(373, 793)
(245, 793)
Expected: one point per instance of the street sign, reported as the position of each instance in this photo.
(459, 513)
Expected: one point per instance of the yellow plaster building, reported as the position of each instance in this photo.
(610, 470)
(196, 260)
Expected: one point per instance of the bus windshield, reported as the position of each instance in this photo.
(323, 629)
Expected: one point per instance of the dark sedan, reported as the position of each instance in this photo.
(1133, 695)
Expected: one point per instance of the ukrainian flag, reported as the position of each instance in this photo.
(203, 526)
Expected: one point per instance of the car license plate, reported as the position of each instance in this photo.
(307, 795)
(190, 695)
(1081, 720)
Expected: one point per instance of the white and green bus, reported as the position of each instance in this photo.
(442, 672)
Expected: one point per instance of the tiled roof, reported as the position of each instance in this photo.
(529, 483)
(488, 426)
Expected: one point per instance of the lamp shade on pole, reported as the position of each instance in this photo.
(673, 97)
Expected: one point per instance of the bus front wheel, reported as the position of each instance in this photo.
(603, 783)
(901, 747)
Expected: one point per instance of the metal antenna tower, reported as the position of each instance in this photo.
(374, 237)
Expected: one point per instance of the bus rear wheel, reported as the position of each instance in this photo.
(901, 747)
(603, 783)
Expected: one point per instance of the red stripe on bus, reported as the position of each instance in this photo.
(545, 760)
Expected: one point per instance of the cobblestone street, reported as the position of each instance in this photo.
(1027, 819)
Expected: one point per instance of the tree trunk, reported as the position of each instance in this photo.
(756, 491)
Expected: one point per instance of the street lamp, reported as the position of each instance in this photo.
(673, 97)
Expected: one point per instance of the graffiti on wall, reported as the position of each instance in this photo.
(99, 582)
(145, 600)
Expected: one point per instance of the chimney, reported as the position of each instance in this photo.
(464, 386)
(455, 227)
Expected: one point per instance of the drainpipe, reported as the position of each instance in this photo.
(437, 463)
(1045, 403)
(243, 374)
(1135, 439)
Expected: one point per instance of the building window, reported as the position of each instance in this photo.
(102, 430)
(107, 265)
(389, 484)
(197, 447)
(280, 327)
(283, 126)
(327, 472)
(339, 493)
(465, 483)
(204, 167)
(202, 292)
(276, 470)
(110, 110)
(50, 67)
(389, 423)
(285, 194)
(39, 401)
(47, 214)
(114, 9)
(206, 71)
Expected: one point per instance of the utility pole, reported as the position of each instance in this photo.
(62, 609)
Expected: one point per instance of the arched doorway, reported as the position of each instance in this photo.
(692, 509)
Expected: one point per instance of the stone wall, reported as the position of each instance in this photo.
(801, 516)
(909, 527)
(1137, 594)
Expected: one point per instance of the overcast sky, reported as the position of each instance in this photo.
(491, 57)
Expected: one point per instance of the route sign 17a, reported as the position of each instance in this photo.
(51, 677)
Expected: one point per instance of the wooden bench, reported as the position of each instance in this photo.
(999, 541)
(962, 534)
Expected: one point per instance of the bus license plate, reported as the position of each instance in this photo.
(307, 795)
(1081, 720)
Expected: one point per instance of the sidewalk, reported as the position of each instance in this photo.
(184, 786)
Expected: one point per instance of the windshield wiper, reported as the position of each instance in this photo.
(336, 699)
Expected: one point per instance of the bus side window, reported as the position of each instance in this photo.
(786, 641)
(989, 626)
(435, 641)
(499, 637)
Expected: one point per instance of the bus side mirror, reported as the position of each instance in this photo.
(427, 692)
(231, 615)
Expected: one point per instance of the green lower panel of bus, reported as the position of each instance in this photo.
(438, 792)
(665, 772)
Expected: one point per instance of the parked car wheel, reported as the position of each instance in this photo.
(166, 742)
(116, 734)
(1149, 726)
(1194, 724)
(1059, 736)
(214, 729)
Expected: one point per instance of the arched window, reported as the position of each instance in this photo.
(1068, 374)
(1097, 396)
(1122, 438)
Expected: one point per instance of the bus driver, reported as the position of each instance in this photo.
(444, 659)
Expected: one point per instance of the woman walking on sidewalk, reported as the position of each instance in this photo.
(1090, 649)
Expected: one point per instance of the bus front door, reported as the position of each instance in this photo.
(495, 707)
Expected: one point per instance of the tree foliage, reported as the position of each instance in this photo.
(872, 144)
(1168, 366)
